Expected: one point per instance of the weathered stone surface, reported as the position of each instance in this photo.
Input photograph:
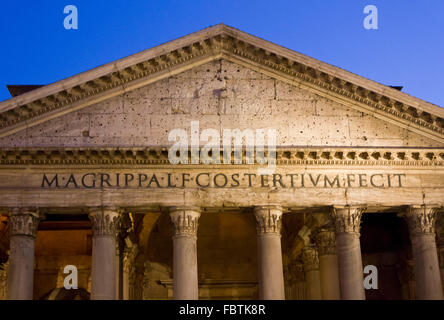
(339, 145)
(220, 94)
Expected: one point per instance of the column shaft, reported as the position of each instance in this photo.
(312, 274)
(421, 220)
(347, 222)
(271, 276)
(185, 282)
(23, 230)
(185, 268)
(440, 245)
(328, 264)
(103, 274)
(351, 277)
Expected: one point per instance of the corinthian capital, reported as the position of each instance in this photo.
(347, 218)
(325, 241)
(310, 258)
(104, 221)
(268, 219)
(185, 220)
(23, 222)
(296, 272)
(421, 219)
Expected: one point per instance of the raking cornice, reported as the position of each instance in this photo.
(220, 42)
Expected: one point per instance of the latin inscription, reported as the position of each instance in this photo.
(100, 180)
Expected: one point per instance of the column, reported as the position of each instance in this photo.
(130, 254)
(347, 220)
(440, 244)
(312, 276)
(295, 282)
(421, 220)
(23, 224)
(411, 276)
(271, 276)
(103, 274)
(185, 280)
(328, 264)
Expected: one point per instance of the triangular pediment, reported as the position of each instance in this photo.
(220, 95)
(373, 109)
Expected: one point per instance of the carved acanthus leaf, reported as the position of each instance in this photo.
(185, 221)
(325, 241)
(23, 222)
(421, 219)
(268, 219)
(105, 221)
(347, 219)
(310, 258)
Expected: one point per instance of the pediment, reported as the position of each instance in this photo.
(62, 113)
(220, 94)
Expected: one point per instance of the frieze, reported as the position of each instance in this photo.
(219, 179)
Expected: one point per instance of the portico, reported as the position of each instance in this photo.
(322, 285)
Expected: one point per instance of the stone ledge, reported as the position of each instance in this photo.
(285, 156)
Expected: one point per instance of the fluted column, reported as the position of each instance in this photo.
(328, 264)
(295, 281)
(271, 276)
(312, 275)
(23, 225)
(103, 273)
(421, 220)
(347, 220)
(185, 222)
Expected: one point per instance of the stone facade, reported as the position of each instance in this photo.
(96, 145)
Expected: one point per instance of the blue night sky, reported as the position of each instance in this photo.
(406, 50)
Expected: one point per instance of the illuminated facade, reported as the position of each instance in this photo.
(86, 181)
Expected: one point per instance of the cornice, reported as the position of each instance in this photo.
(347, 156)
(222, 42)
